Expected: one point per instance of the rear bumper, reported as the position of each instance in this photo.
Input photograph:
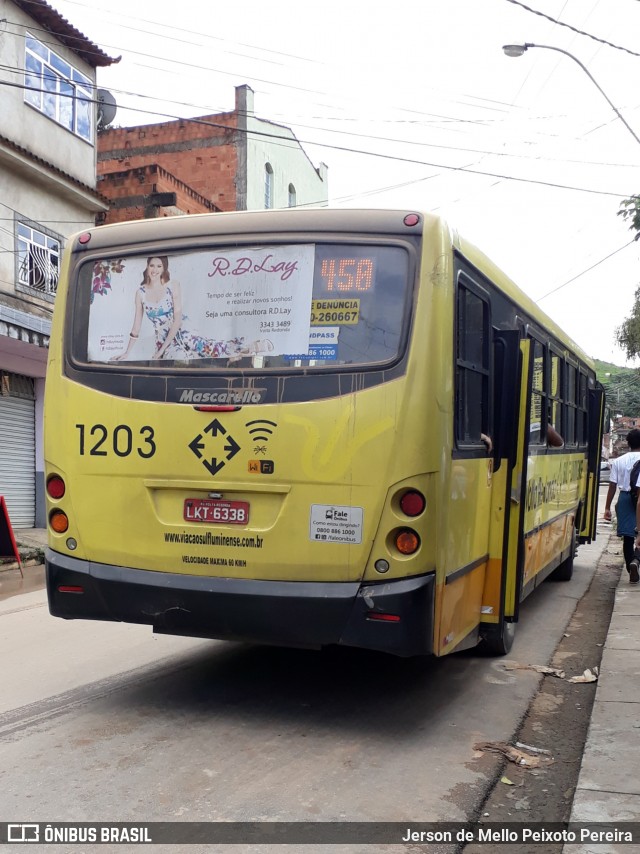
(287, 613)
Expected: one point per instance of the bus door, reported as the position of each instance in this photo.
(587, 530)
(503, 586)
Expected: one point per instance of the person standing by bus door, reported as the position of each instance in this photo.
(625, 509)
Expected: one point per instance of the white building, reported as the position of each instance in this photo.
(278, 172)
(47, 192)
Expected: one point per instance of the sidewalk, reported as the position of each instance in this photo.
(608, 789)
(30, 538)
(31, 543)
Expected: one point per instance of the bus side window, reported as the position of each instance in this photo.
(583, 410)
(571, 397)
(538, 404)
(555, 435)
(472, 368)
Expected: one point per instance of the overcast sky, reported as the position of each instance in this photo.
(414, 105)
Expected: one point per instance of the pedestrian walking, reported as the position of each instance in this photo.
(627, 527)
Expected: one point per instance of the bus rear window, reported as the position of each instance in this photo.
(267, 306)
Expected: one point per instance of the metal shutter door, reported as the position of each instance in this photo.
(18, 459)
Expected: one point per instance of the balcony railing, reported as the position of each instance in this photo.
(38, 270)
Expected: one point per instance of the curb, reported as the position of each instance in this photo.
(28, 557)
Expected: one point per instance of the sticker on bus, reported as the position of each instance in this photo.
(329, 523)
(325, 335)
(326, 312)
(324, 352)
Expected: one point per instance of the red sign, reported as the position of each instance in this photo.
(8, 547)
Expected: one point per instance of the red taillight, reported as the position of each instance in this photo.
(412, 503)
(70, 588)
(55, 487)
(385, 618)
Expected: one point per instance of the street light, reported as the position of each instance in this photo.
(519, 49)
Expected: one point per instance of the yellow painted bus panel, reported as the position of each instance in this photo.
(334, 454)
(460, 609)
(542, 546)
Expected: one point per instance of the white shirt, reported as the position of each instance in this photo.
(621, 469)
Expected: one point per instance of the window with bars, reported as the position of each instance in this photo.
(57, 89)
(17, 385)
(38, 259)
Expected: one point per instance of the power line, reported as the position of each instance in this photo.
(201, 68)
(329, 130)
(593, 266)
(173, 28)
(399, 159)
(284, 142)
(574, 29)
(463, 121)
(195, 65)
(422, 144)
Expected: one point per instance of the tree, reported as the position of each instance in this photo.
(622, 391)
(628, 333)
(630, 212)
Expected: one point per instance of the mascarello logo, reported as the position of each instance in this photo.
(223, 396)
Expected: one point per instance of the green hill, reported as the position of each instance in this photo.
(622, 386)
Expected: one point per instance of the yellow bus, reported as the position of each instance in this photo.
(308, 428)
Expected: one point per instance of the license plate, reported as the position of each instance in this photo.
(216, 511)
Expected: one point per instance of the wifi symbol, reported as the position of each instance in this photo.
(260, 432)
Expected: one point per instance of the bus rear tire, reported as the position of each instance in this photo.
(499, 639)
(564, 571)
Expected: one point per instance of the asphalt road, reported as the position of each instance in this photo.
(108, 722)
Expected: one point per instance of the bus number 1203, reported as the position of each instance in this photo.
(122, 441)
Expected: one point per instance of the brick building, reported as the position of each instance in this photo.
(226, 161)
(149, 191)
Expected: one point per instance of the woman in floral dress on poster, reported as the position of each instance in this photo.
(161, 301)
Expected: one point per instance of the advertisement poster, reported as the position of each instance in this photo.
(220, 304)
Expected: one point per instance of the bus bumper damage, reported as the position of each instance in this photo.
(393, 616)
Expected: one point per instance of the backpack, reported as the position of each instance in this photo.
(633, 482)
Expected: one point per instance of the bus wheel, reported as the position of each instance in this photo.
(498, 640)
(564, 571)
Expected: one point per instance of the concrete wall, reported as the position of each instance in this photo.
(36, 202)
(25, 125)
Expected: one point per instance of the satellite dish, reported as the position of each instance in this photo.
(107, 108)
